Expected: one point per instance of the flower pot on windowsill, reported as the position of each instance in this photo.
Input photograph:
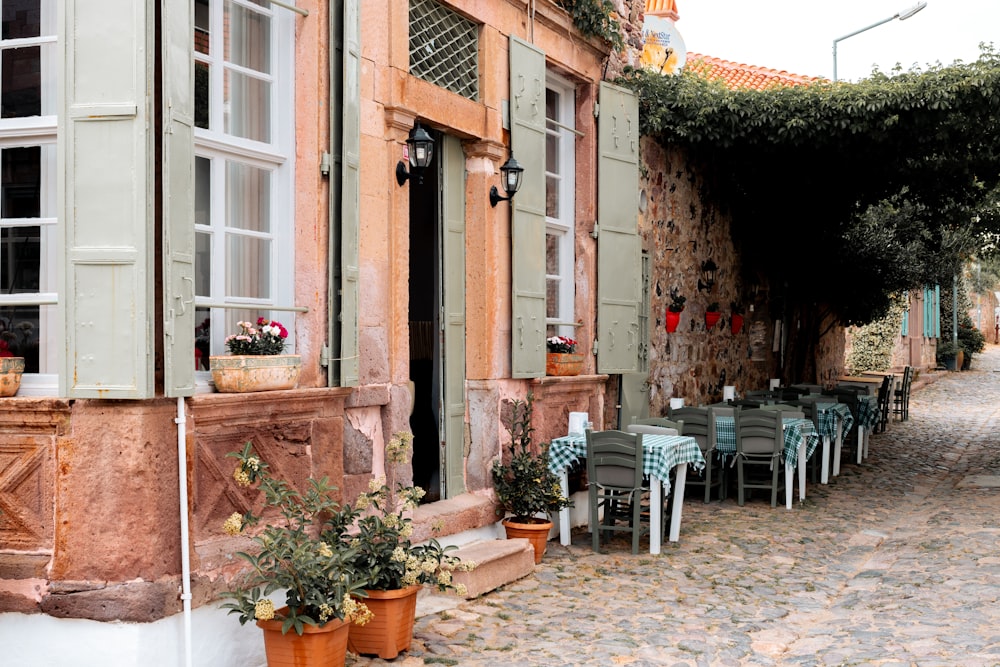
(11, 369)
(239, 373)
(563, 364)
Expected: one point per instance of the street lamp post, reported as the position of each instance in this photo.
(902, 16)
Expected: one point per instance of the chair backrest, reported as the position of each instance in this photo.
(907, 379)
(886, 388)
(662, 422)
(614, 459)
(649, 429)
(860, 387)
(808, 388)
(758, 431)
(699, 423)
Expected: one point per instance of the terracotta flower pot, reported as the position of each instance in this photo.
(11, 369)
(536, 533)
(326, 645)
(238, 373)
(559, 363)
(391, 630)
(673, 319)
(735, 323)
(711, 317)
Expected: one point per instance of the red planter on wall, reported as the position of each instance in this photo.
(736, 323)
(711, 317)
(673, 319)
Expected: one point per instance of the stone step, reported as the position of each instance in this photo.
(498, 562)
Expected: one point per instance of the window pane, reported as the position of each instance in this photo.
(248, 107)
(248, 194)
(249, 270)
(551, 254)
(202, 98)
(203, 264)
(202, 191)
(19, 334)
(551, 197)
(20, 248)
(21, 19)
(201, 27)
(551, 104)
(202, 338)
(248, 40)
(22, 82)
(552, 298)
(20, 179)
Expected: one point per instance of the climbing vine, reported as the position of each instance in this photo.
(596, 18)
(872, 344)
(844, 193)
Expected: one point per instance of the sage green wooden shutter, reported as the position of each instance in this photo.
(453, 252)
(178, 198)
(345, 189)
(106, 198)
(527, 141)
(618, 248)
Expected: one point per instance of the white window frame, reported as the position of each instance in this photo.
(24, 133)
(563, 226)
(277, 157)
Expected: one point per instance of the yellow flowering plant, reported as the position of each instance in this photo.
(308, 554)
(384, 550)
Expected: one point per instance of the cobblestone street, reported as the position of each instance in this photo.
(895, 562)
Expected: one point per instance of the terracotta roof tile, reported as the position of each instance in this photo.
(738, 75)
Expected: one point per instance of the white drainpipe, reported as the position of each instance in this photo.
(182, 491)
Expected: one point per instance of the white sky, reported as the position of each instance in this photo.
(797, 35)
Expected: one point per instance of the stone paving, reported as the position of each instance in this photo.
(895, 562)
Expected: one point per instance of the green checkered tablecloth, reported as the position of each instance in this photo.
(659, 456)
(829, 415)
(795, 431)
(868, 415)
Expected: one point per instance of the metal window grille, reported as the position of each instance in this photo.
(444, 48)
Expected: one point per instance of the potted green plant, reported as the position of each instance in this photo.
(674, 309)
(561, 357)
(305, 550)
(712, 315)
(396, 568)
(735, 318)
(255, 361)
(525, 487)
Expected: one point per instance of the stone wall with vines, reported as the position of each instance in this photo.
(870, 347)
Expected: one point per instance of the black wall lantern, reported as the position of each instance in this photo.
(707, 280)
(420, 146)
(510, 174)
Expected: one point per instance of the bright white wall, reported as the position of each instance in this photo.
(218, 640)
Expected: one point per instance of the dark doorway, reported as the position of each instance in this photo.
(425, 328)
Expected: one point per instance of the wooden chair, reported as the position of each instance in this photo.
(659, 422)
(885, 394)
(759, 443)
(699, 423)
(615, 480)
(901, 395)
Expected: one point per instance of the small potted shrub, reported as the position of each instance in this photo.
(712, 315)
(526, 489)
(305, 551)
(397, 569)
(674, 309)
(735, 318)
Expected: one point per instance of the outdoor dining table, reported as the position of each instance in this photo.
(833, 420)
(660, 454)
(800, 440)
(868, 417)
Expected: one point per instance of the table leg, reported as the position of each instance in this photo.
(655, 513)
(680, 480)
(862, 435)
(802, 470)
(837, 445)
(824, 474)
(788, 485)
(564, 527)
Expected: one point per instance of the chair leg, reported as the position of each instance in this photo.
(595, 526)
(776, 466)
(708, 478)
(740, 481)
(637, 521)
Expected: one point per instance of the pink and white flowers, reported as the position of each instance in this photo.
(267, 337)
